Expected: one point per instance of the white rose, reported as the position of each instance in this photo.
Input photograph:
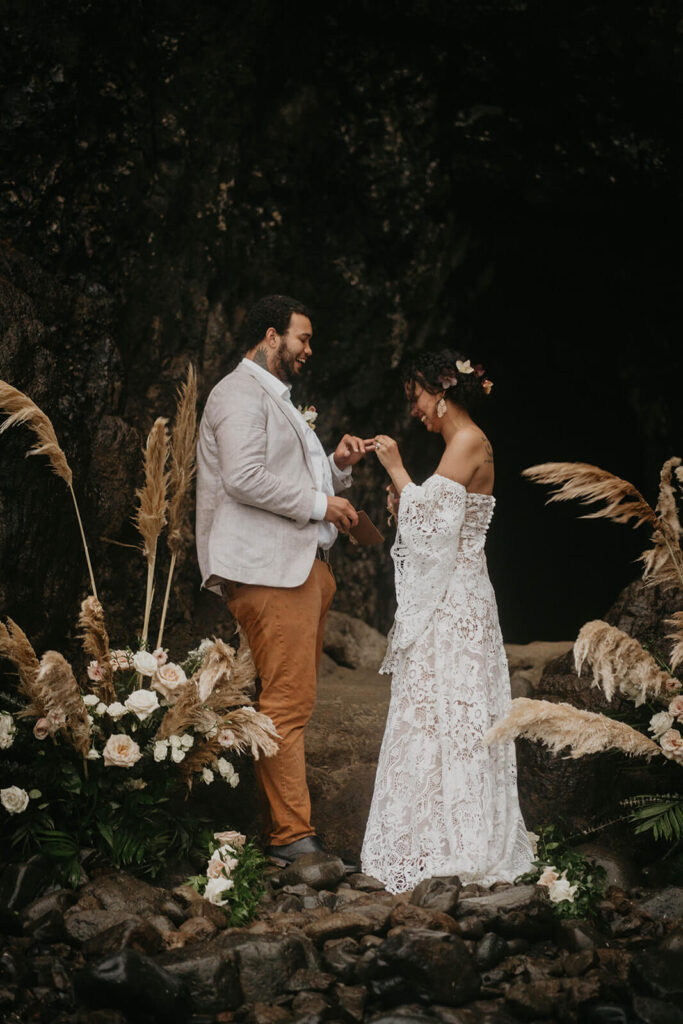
(207, 776)
(120, 751)
(215, 887)
(142, 703)
(167, 680)
(186, 741)
(116, 710)
(224, 767)
(14, 800)
(561, 889)
(160, 750)
(145, 663)
(659, 723)
(229, 863)
(100, 709)
(7, 731)
(93, 755)
(174, 740)
(90, 700)
(177, 754)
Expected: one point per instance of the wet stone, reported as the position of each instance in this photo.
(435, 966)
(288, 905)
(20, 884)
(437, 894)
(655, 1011)
(340, 956)
(666, 905)
(134, 934)
(492, 905)
(197, 929)
(59, 900)
(606, 1013)
(576, 964)
(353, 923)
(134, 984)
(470, 927)
(659, 973)
(309, 979)
(317, 870)
(48, 928)
(204, 908)
(267, 962)
(310, 1004)
(575, 935)
(100, 1017)
(267, 1013)
(673, 941)
(210, 976)
(365, 883)
(351, 999)
(489, 951)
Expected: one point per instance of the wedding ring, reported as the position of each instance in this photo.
(377, 446)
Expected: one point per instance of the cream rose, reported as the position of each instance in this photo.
(226, 738)
(160, 750)
(145, 663)
(549, 876)
(93, 755)
(177, 754)
(167, 680)
(14, 800)
(142, 703)
(562, 889)
(214, 869)
(207, 776)
(230, 838)
(120, 751)
(672, 745)
(676, 707)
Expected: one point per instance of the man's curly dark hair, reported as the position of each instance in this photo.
(434, 370)
(270, 311)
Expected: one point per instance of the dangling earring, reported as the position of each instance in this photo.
(441, 408)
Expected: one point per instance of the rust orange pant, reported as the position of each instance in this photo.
(284, 627)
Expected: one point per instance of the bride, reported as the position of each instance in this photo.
(444, 803)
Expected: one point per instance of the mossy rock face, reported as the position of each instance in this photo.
(485, 175)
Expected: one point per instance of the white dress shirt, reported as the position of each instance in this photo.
(325, 469)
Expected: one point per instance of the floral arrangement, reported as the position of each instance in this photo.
(104, 756)
(619, 663)
(574, 884)
(234, 876)
(309, 413)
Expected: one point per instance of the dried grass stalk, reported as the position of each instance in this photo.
(150, 517)
(187, 712)
(677, 636)
(95, 642)
(202, 755)
(663, 563)
(183, 447)
(62, 697)
(225, 679)
(620, 664)
(16, 646)
(561, 726)
(21, 409)
(252, 731)
(590, 483)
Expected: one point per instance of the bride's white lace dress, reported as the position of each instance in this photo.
(444, 804)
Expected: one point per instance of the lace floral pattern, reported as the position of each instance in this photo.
(444, 804)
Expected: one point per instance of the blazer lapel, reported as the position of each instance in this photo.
(290, 412)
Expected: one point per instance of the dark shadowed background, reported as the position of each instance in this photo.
(501, 176)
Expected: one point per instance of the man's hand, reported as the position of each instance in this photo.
(342, 513)
(351, 450)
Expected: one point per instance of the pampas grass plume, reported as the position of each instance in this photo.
(620, 663)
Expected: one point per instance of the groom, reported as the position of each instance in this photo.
(267, 515)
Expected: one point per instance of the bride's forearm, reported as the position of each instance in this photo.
(399, 478)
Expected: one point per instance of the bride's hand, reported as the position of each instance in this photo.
(388, 454)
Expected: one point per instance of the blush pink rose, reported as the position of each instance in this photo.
(230, 838)
(226, 738)
(676, 707)
(42, 729)
(167, 680)
(672, 745)
(161, 655)
(95, 671)
(119, 660)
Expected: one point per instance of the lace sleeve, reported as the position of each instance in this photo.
(425, 551)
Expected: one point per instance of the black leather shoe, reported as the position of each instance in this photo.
(287, 854)
(283, 856)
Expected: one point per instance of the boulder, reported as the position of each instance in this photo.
(433, 966)
(352, 643)
(136, 985)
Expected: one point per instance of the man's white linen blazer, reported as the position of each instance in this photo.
(255, 487)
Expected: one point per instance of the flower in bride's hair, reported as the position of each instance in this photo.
(479, 370)
(487, 385)
(464, 366)
(447, 379)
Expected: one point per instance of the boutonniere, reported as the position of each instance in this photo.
(309, 413)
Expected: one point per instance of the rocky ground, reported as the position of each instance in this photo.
(326, 946)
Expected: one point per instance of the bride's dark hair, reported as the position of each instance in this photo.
(446, 371)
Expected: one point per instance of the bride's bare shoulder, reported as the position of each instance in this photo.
(467, 451)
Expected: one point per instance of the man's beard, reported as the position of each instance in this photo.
(285, 363)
